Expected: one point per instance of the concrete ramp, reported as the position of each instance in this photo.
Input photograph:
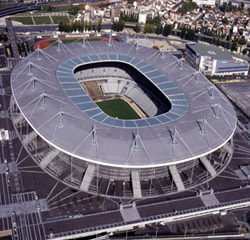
(88, 176)
(48, 158)
(29, 137)
(136, 185)
(177, 178)
(208, 166)
(130, 214)
(18, 119)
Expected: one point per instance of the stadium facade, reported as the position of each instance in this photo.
(185, 139)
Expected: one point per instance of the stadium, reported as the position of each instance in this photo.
(120, 120)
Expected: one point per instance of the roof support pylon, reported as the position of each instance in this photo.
(215, 109)
(29, 68)
(136, 141)
(43, 95)
(197, 76)
(202, 125)
(94, 134)
(173, 134)
(211, 92)
(60, 121)
(180, 64)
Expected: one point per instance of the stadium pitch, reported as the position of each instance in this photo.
(118, 108)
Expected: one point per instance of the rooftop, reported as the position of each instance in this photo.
(211, 51)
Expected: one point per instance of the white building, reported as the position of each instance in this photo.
(142, 18)
(205, 2)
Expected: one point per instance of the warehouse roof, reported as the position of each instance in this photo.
(211, 51)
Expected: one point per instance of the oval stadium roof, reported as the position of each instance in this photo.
(57, 107)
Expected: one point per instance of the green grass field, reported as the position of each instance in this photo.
(73, 40)
(118, 108)
(42, 20)
(60, 8)
(58, 19)
(23, 20)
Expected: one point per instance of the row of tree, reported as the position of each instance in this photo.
(229, 42)
(153, 20)
(128, 17)
(80, 26)
(158, 29)
(118, 26)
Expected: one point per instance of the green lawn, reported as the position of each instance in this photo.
(118, 108)
(74, 40)
(23, 20)
(42, 20)
(61, 8)
(58, 19)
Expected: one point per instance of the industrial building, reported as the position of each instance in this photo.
(212, 60)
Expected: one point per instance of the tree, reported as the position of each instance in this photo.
(224, 7)
(242, 41)
(99, 25)
(131, 17)
(167, 30)
(183, 32)
(156, 20)
(47, 8)
(214, 40)
(118, 26)
(62, 27)
(148, 28)
(190, 35)
(234, 45)
(158, 29)
(244, 51)
(224, 20)
(218, 42)
(73, 10)
(137, 28)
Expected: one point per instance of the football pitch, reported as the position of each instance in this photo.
(118, 108)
